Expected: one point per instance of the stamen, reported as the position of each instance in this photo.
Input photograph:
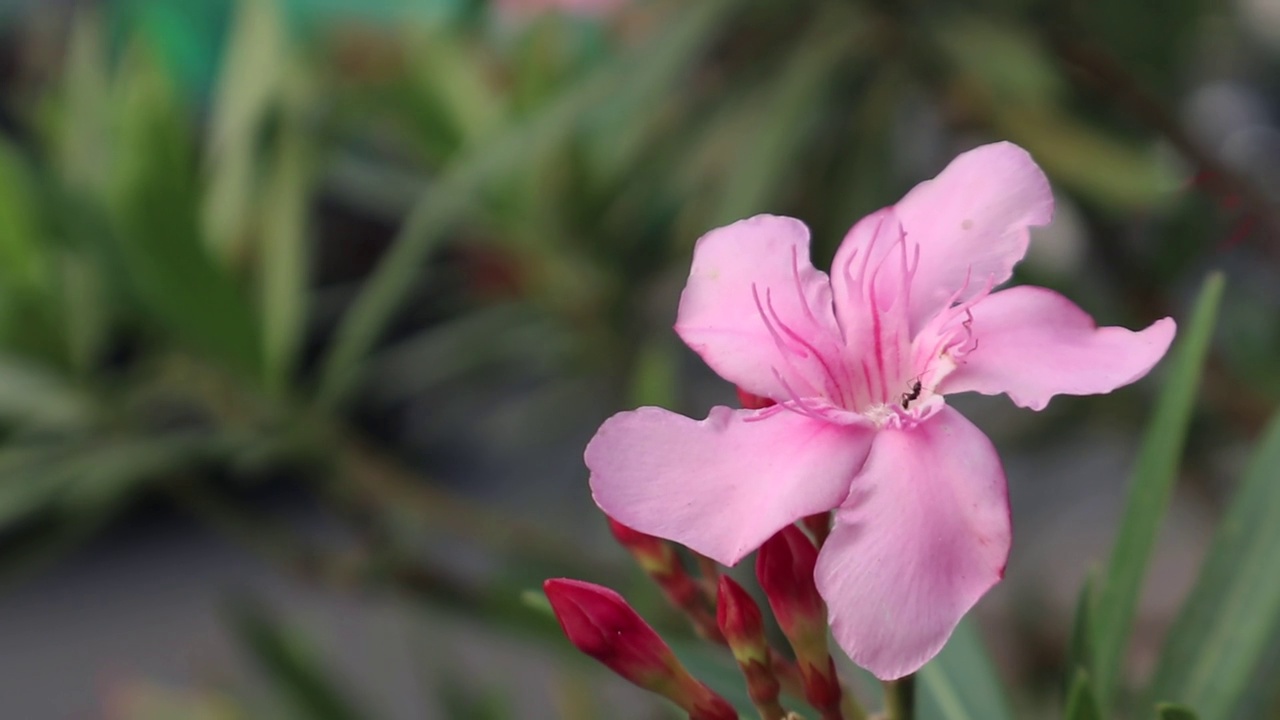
(945, 333)
(795, 276)
(831, 385)
(777, 339)
(765, 413)
(804, 409)
(877, 343)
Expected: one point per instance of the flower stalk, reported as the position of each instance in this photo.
(900, 698)
(660, 561)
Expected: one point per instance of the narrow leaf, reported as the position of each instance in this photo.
(248, 87)
(448, 199)
(1175, 712)
(80, 134)
(284, 254)
(1233, 613)
(961, 683)
(1149, 493)
(155, 204)
(781, 129)
(1081, 702)
(1082, 644)
(32, 395)
(293, 667)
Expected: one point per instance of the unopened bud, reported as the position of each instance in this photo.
(600, 623)
(740, 622)
(660, 561)
(653, 554)
(819, 526)
(743, 627)
(750, 401)
(785, 566)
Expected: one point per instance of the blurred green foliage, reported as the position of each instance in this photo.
(229, 232)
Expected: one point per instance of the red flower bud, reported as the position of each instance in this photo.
(822, 686)
(819, 526)
(659, 560)
(653, 554)
(740, 621)
(600, 623)
(753, 402)
(784, 567)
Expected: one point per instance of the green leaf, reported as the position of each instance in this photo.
(451, 89)
(781, 129)
(1081, 702)
(293, 666)
(654, 378)
(1232, 616)
(536, 600)
(87, 310)
(961, 683)
(463, 698)
(23, 263)
(1106, 169)
(1166, 711)
(32, 395)
(452, 195)
(1151, 487)
(154, 199)
(248, 88)
(284, 255)
(1080, 650)
(80, 132)
(1006, 58)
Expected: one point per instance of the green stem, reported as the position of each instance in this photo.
(900, 698)
(849, 706)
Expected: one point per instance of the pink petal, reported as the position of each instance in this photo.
(971, 223)
(871, 284)
(1033, 343)
(923, 535)
(758, 312)
(724, 485)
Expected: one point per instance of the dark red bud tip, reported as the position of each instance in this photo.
(629, 537)
(822, 686)
(600, 623)
(784, 567)
(819, 526)
(737, 614)
(753, 402)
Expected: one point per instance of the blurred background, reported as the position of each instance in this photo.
(308, 308)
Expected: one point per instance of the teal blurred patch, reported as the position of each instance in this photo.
(189, 37)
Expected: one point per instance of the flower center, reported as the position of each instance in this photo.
(873, 362)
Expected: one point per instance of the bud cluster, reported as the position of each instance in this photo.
(600, 623)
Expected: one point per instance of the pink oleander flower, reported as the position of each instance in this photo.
(858, 365)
